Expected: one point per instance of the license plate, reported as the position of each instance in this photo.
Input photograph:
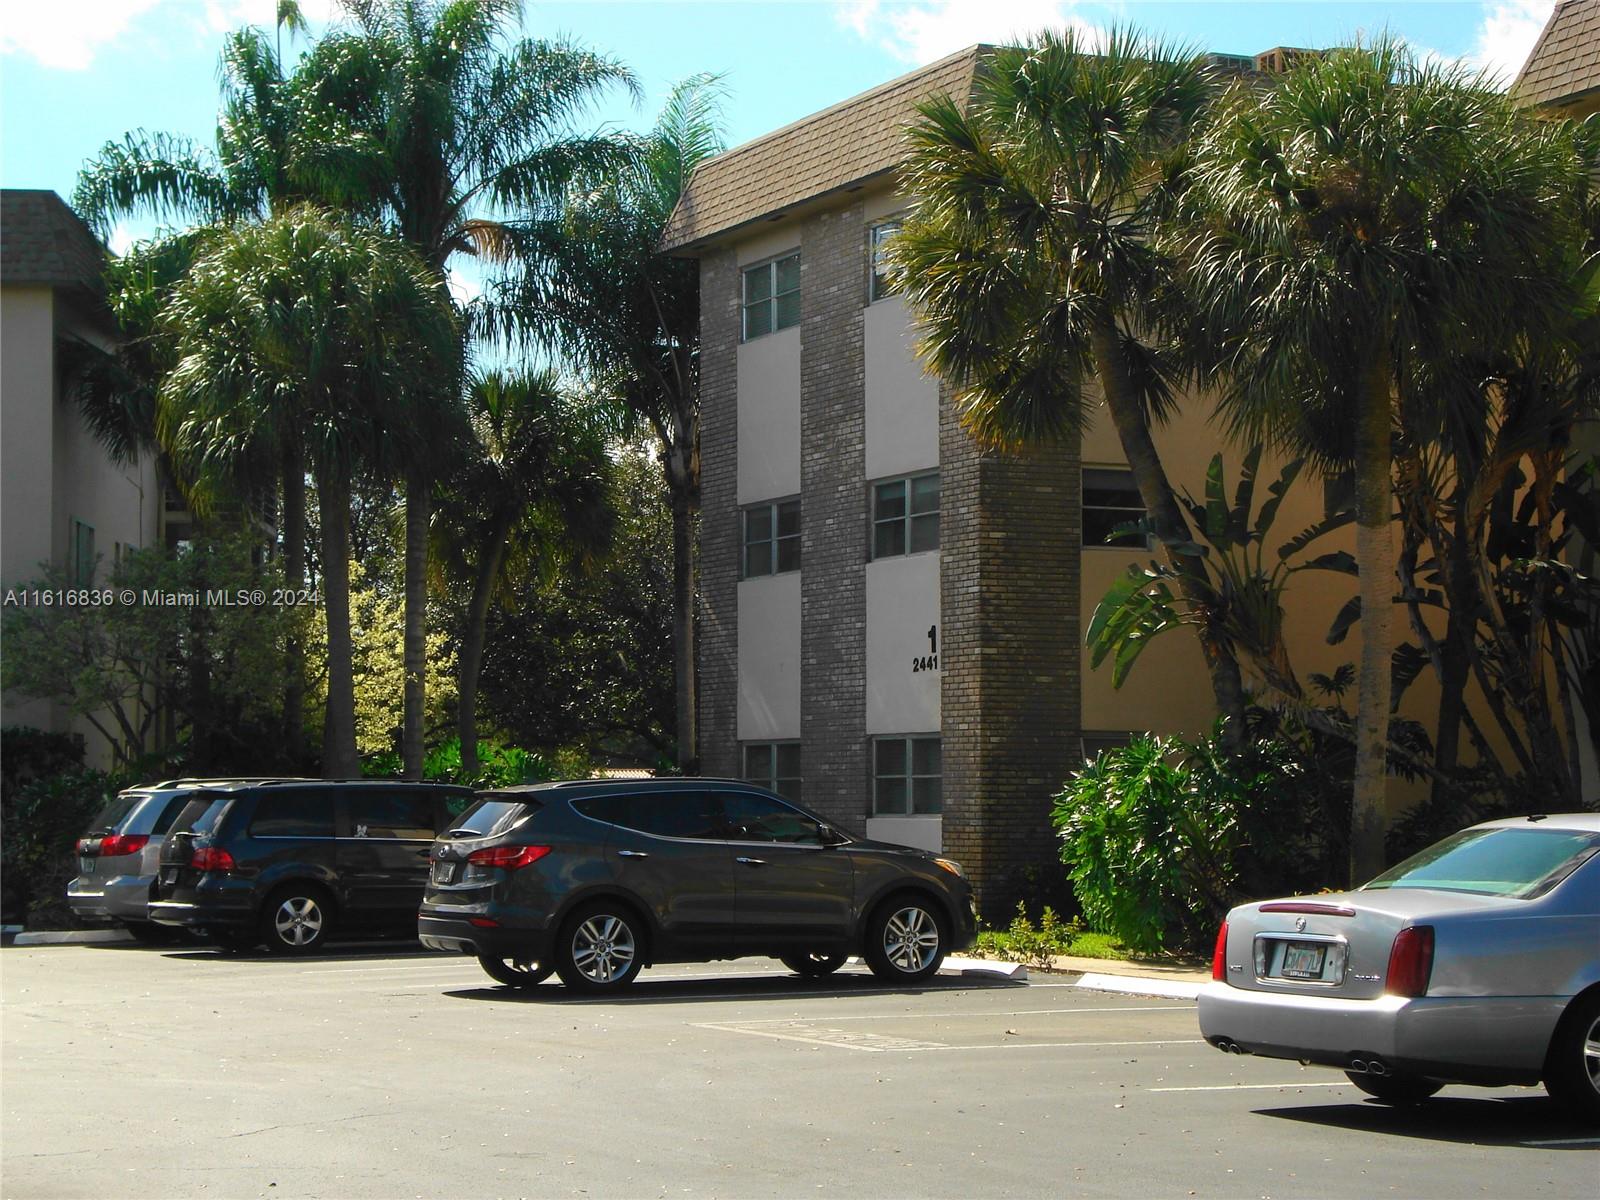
(445, 872)
(86, 866)
(1303, 960)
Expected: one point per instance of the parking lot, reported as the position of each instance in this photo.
(375, 1072)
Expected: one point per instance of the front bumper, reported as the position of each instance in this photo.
(1469, 1039)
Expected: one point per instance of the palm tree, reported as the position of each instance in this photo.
(1028, 260)
(533, 490)
(629, 318)
(430, 114)
(247, 177)
(304, 321)
(1362, 218)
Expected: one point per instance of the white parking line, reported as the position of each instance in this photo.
(1015, 1012)
(1588, 1141)
(1246, 1087)
(1021, 1045)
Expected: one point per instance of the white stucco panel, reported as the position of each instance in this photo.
(923, 833)
(769, 658)
(902, 660)
(769, 416)
(902, 403)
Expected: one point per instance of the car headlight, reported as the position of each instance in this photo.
(952, 866)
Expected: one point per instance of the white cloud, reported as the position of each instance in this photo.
(121, 239)
(924, 30)
(1507, 34)
(65, 35)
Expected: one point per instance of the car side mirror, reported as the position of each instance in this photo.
(829, 835)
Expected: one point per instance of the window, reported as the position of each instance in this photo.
(772, 538)
(1096, 744)
(906, 777)
(905, 516)
(772, 296)
(672, 814)
(1518, 862)
(877, 244)
(1110, 500)
(398, 816)
(293, 815)
(1338, 494)
(80, 553)
(759, 819)
(775, 766)
(169, 814)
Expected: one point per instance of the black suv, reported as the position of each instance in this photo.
(286, 863)
(596, 880)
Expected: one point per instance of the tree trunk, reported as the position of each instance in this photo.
(339, 758)
(471, 661)
(1375, 554)
(1167, 520)
(1456, 661)
(293, 532)
(683, 639)
(416, 634)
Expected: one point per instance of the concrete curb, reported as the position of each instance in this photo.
(956, 965)
(1138, 985)
(71, 937)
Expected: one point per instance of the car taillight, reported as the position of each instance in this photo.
(1411, 961)
(1219, 956)
(123, 843)
(509, 858)
(210, 858)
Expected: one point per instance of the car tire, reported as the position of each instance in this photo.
(813, 966)
(905, 940)
(1572, 1067)
(1394, 1089)
(600, 947)
(297, 919)
(515, 972)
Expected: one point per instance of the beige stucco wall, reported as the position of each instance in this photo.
(769, 658)
(902, 402)
(27, 430)
(902, 605)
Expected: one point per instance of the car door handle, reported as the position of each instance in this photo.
(752, 862)
(633, 854)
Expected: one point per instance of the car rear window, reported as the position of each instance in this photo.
(304, 814)
(200, 815)
(491, 815)
(116, 811)
(1507, 861)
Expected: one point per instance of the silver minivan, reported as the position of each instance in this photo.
(119, 854)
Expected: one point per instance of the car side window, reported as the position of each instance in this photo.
(302, 814)
(753, 818)
(673, 814)
(397, 816)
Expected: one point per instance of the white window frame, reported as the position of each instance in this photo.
(877, 286)
(1125, 514)
(775, 781)
(772, 508)
(908, 740)
(772, 297)
(905, 518)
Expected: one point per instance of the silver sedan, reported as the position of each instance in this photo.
(1476, 961)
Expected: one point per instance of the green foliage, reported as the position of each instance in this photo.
(498, 765)
(1161, 837)
(218, 667)
(1052, 937)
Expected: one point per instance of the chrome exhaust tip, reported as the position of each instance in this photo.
(1358, 1065)
(1377, 1067)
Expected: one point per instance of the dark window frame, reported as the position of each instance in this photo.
(771, 303)
(878, 286)
(1109, 516)
(775, 544)
(907, 522)
(775, 779)
(909, 776)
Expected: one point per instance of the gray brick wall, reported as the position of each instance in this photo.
(1011, 539)
(833, 547)
(718, 643)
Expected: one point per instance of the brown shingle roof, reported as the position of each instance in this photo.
(846, 144)
(1565, 62)
(44, 241)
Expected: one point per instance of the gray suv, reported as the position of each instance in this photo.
(120, 853)
(596, 880)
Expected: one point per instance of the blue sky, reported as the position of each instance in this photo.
(76, 73)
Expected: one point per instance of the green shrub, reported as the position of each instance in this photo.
(1037, 945)
(498, 766)
(43, 820)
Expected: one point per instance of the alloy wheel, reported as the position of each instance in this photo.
(298, 922)
(911, 939)
(603, 948)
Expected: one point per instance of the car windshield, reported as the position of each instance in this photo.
(490, 816)
(1519, 863)
(115, 811)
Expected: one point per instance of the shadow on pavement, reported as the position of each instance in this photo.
(754, 987)
(341, 952)
(1532, 1121)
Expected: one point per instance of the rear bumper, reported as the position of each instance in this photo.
(1470, 1039)
(440, 929)
(117, 898)
(213, 903)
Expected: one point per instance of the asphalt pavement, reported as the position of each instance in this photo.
(133, 1072)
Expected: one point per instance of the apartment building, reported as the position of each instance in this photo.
(62, 500)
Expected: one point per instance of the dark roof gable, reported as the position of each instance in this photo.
(42, 241)
(1565, 63)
